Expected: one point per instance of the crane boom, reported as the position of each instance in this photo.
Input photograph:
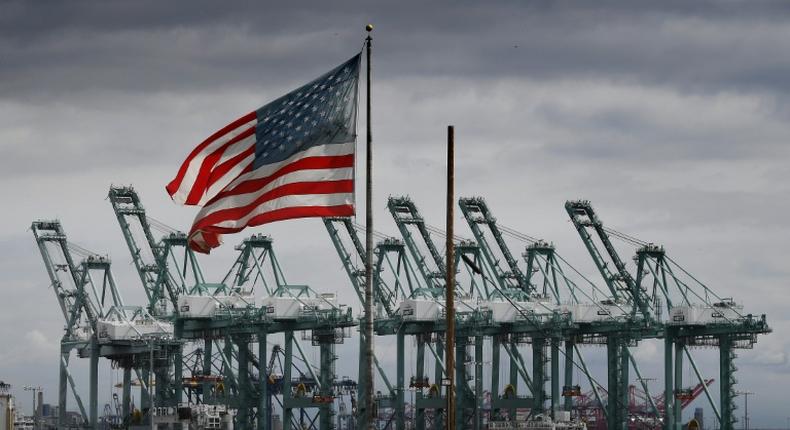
(167, 268)
(432, 266)
(478, 216)
(405, 214)
(73, 300)
(620, 282)
(389, 251)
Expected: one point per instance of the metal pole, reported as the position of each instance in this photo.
(669, 382)
(555, 377)
(93, 377)
(369, 246)
(127, 392)
(35, 414)
(151, 392)
(63, 387)
(746, 410)
(450, 292)
(746, 395)
(263, 383)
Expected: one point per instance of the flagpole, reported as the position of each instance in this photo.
(370, 409)
(450, 281)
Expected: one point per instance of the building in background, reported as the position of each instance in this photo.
(7, 412)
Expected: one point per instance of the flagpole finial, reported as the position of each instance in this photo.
(369, 28)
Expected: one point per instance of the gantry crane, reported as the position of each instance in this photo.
(416, 235)
(622, 287)
(514, 284)
(486, 311)
(547, 276)
(289, 309)
(127, 335)
(696, 315)
(543, 304)
(390, 255)
(225, 317)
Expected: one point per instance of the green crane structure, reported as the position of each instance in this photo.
(530, 319)
(406, 283)
(389, 255)
(126, 335)
(472, 324)
(547, 276)
(696, 315)
(199, 338)
(176, 289)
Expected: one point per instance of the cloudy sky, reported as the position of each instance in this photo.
(671, 117)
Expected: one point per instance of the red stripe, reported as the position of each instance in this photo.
(298, 188)
(201, 182)
(223, 168)
(173, 186)
(307, 163)
(211, 234)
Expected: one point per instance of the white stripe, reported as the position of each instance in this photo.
(191, 174)
(329, 150)
(311, 175)
(230, 180)
(226, 179)
(289, 201)
(236, 149)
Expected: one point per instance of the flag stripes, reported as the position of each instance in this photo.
(188, 186)
(292, 158)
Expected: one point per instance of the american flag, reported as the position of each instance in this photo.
(292, 158)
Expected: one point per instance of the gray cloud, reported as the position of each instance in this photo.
(115, 45)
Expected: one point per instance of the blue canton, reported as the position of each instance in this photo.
(319, 113)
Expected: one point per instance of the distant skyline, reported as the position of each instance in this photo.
(671, 117)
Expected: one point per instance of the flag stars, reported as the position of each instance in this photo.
(312, 115)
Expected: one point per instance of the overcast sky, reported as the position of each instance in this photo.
(671, 117)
